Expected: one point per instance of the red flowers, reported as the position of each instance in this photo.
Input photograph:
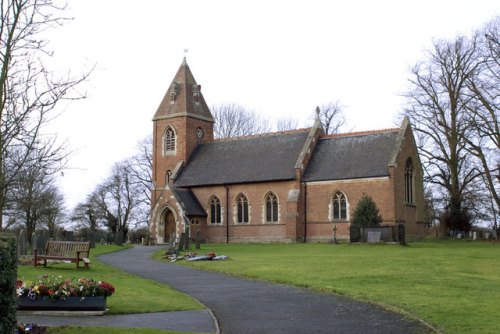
(56, 288)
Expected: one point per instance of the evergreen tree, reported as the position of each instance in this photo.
(366, 213)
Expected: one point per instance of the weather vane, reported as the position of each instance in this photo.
(185, 53)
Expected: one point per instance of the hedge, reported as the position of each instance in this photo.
(8, 276)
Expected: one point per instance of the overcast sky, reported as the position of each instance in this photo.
(278, 58)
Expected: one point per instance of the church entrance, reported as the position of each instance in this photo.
(169, 226)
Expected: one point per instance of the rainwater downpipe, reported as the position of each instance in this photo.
(305, 212)
(227, 214)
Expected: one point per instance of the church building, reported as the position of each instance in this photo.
(291, 186)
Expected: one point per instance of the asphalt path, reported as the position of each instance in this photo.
(248, 306)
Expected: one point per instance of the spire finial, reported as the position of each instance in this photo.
(317, 112)
(184, 62)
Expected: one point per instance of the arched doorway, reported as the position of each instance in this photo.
(169, 230)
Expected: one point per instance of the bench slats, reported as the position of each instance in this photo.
(74, 251)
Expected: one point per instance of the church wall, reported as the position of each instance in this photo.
(257, 229)
(411, 215)
(186, 142)
(319, 204)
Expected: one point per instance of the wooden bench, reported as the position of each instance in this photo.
(73, 251)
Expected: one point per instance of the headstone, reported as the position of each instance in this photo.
(402, 235)
(186, 241)
(91, 237)
(180, 246)
(373, 237)
(172, 239)
(22, 248)
(197, 240)
(355, 234)
(42, 240)
(119, 238)
(34, 240)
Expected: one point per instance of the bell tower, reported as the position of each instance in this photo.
(181, 122)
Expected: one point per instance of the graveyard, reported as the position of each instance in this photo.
(452, 285)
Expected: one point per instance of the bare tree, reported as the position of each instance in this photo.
(438, 112)
(483, 105)
(33, 196)
(28, 89)
(331, 117)
(55, 212)
(141, 172)
(232, 120)
(286, 124)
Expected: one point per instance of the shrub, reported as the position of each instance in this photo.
(8, 275)
(366, 213)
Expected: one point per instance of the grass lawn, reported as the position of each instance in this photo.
(452, 285)
(133, 294)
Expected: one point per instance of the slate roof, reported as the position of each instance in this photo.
(352, 156)
(268, 157)
(189, 202)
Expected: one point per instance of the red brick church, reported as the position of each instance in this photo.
(275, 187)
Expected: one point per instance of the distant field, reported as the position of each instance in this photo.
(452, 285)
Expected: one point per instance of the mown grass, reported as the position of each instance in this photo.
(452, 285)
(133, 294)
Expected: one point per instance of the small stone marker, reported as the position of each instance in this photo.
(197, 240)
(373, 237)
(402, 235)
(21, 243)
(180, 246)
(34, 240)
(186, 241)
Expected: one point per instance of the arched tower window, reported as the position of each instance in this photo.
(409, 181)
(271, 208)
(215, 210)
(340, 205)
(169, 139)
(242, 208)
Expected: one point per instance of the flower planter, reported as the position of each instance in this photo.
(97, 303)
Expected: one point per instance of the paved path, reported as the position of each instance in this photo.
(247, 306)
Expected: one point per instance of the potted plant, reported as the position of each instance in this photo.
(56, 293)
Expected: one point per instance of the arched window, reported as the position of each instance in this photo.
(242, 208)
(215, 211)
(169, 140)
(271, 208)
(409, 181)
(339, 204)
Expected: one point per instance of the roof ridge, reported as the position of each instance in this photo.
(264, 134)
(359, 133)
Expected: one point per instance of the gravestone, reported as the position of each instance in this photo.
(355, 234)
(180, 246)
(42, 239)
(34, 240)
(186, 241)
(373, 237)
(197, 240)
(22, 248)
(172, 239)
(402, 235)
